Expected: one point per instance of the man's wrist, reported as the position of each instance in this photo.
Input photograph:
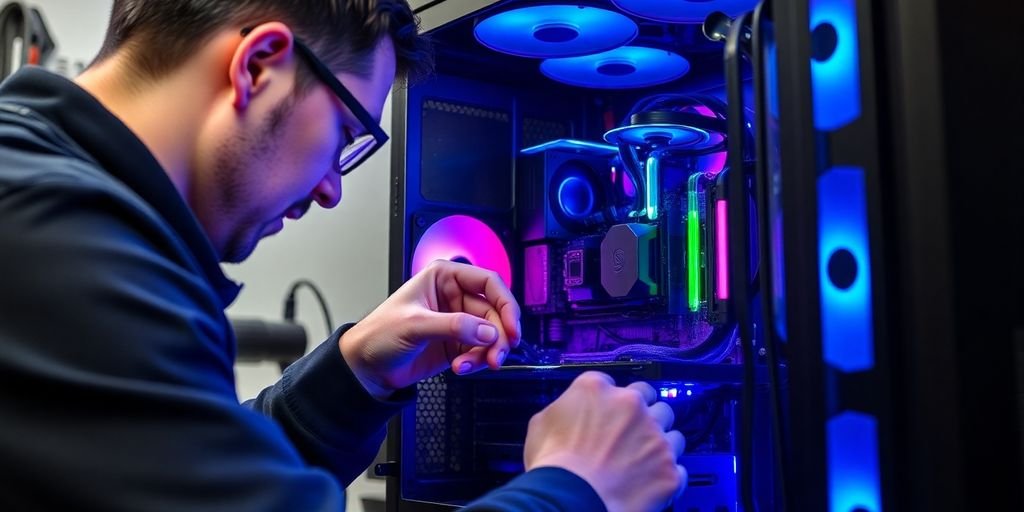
(349, 352)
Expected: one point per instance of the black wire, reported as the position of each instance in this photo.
(289, 310)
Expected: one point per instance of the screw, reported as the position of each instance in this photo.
(761, 352)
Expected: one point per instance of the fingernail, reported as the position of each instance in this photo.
(501, 356)
(486, 333)
(465, 367)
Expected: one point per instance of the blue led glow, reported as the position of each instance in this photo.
(771, 78)
(652, 187)
(836, 80)
(555, 31)
(663, 135)
(628, 66)
(581, 146)
(854, 481)
(846, 317)
(575, 197)
(680, 11)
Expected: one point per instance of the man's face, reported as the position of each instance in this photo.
(281, 155)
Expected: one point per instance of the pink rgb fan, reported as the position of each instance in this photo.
(463, 239)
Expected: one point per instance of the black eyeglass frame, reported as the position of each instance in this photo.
(350, 101)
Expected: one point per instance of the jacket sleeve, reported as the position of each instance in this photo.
(333, 421)
(547, 489)
(116, 375)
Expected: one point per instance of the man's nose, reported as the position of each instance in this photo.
(328, 192)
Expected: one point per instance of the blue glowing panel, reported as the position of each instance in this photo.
(579, 146)
(771, 72)
(844, 269)
(683, 11)
(555, 31)
(854, 482)
(835, 63)
(628, 66)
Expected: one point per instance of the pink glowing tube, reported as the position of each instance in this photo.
(464, 239)
(721, 250)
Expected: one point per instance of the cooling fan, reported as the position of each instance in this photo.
(555, 31)
(463, 239)
(683, 11)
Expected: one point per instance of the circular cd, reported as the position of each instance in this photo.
(555, 31)
(463, 239)
(628, 66)
(683, 11)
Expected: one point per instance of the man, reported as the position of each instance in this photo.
(201, 125)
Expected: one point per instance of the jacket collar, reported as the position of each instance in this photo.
(121, 154)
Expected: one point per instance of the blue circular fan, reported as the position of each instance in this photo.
(628, 66)
(555, 31)
(683, 11)
(669, 135)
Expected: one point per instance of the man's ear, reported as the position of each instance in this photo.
(265, 51)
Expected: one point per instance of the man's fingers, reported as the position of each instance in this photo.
(663, 415)
(471, 361)
(460, 327)
(646, 390)
(478, 281)
(477, 306)
(677, 441)
(683, 478)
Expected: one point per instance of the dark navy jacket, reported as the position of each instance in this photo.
(116, 359)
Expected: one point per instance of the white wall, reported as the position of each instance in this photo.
(343, 251)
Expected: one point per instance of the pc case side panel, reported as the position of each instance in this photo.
(981, 76)
(927, 402)
(806, 461)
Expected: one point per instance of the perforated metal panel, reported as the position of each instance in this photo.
(439, 427)
(539, 131)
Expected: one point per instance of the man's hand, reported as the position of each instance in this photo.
(614, 438)
(450, 314)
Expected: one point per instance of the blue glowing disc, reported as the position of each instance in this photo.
(628, 66)
(665, 135)
(683, 11)
(555, 31)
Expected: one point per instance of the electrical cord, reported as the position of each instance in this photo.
(289, 303)
(25, 38)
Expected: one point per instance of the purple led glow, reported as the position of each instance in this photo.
(535, 284)
(713, 163)
(628, 187)
(462, 238)
(721, 250)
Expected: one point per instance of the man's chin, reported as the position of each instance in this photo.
(241, 251)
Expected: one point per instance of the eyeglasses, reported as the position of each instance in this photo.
(357, 149)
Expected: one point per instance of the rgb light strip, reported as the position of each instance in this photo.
(721, 250)
(652, 187)
(693, 243)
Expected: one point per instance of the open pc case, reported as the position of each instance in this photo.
(770, 211)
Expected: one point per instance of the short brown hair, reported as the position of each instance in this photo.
(160, 35)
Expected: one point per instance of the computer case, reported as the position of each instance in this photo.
(805, 234)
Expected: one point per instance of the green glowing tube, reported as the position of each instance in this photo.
(693, 244)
